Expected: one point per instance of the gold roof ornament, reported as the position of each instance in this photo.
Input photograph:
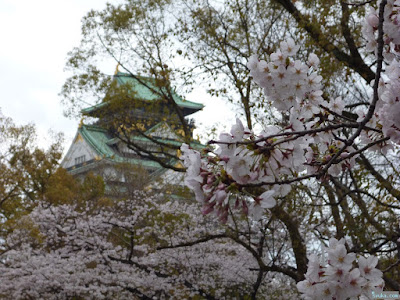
(81, 123)
(117, 69)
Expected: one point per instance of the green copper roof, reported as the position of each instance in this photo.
(102, 143)
(144, 88)
(194, 144)
(97, 138)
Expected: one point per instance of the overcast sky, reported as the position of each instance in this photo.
(36, 36)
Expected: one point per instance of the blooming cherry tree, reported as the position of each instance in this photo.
(326, 171)
(313, 142)
(318, 139)
(144, 247)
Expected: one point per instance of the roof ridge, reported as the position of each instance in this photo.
(95, 127)
(130, 75)
(146, 92)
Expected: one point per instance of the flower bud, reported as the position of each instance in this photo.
(373, 20)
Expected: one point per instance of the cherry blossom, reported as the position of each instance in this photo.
(156, 248)
(339, 279)
(124, 250)
(277, 153)
(318, 138)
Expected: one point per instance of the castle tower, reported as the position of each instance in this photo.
(138, 119)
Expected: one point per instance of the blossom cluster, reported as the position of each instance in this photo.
(119, 250)
(289, 84)
(338, 278)
(311, 143)
(271, 158)
(391, 29)
(388, 109)
(318, 139)
(387, 115)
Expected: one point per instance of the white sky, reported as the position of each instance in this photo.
(36, 36)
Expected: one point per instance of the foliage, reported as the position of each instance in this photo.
(29, 175)
(25, 170)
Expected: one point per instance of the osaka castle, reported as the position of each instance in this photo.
(139, 124)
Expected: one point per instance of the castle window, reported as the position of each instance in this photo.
(80, 159)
